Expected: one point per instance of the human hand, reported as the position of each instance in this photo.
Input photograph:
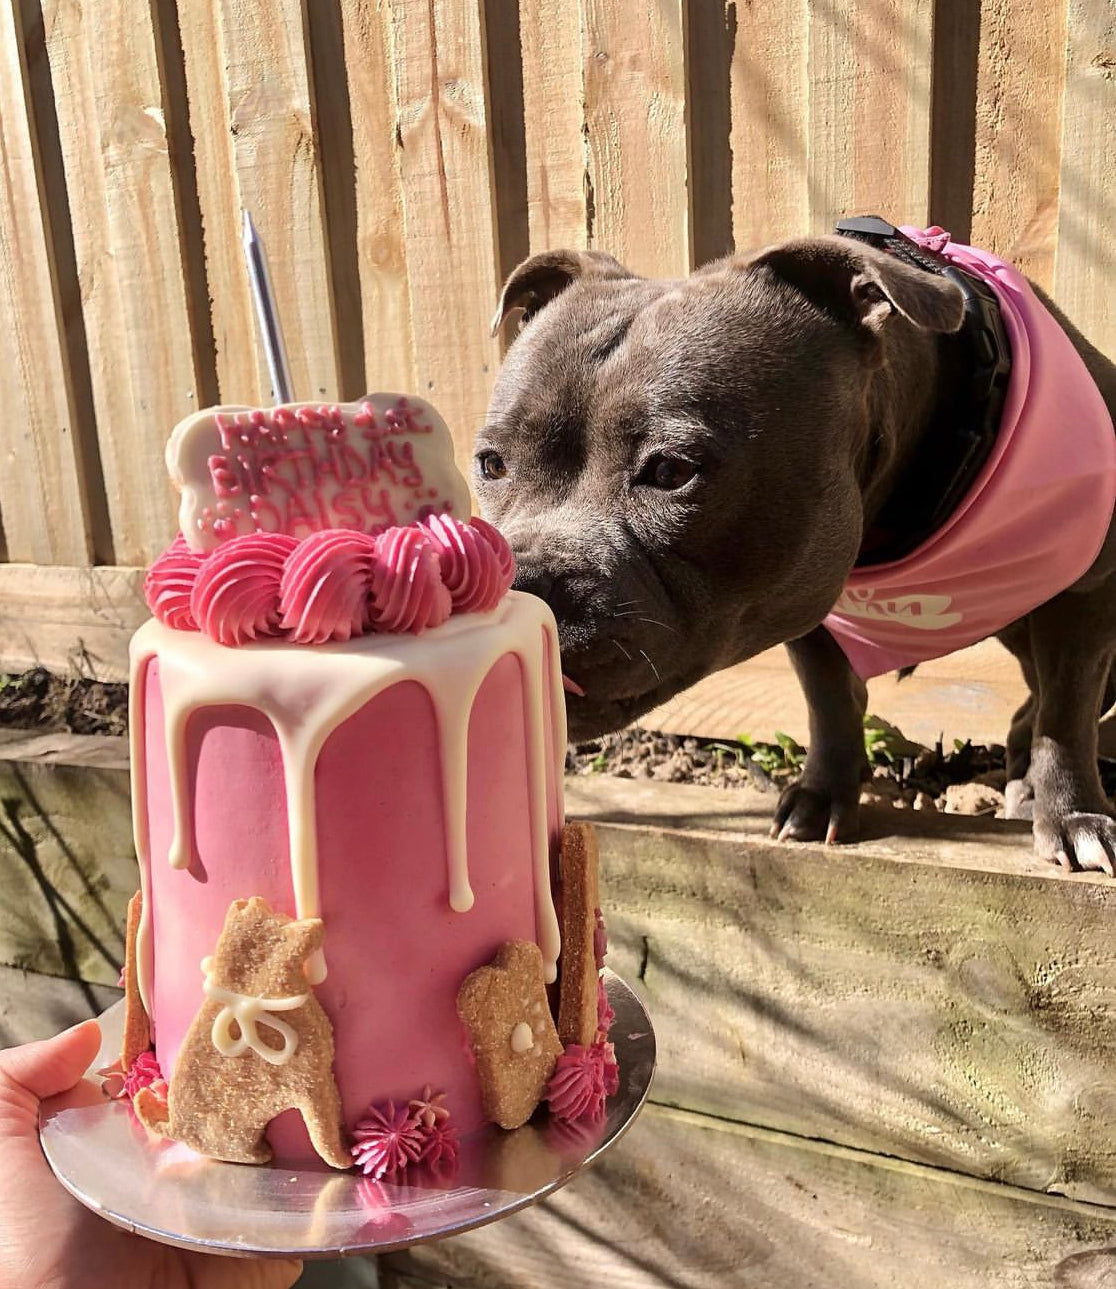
(48, 1239)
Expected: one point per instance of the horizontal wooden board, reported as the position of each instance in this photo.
(941, 997)
(688, 1203)
(69, 620)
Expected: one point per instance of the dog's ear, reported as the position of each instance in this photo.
(862, 285)
(536, 281)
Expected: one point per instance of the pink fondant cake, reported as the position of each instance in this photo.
(347, 732)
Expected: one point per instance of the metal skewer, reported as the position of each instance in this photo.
(267, 316)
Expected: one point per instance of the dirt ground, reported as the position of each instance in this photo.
(963, 779)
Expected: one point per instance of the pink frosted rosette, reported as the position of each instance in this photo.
(324, 592)
(236, 595)
(334, 584)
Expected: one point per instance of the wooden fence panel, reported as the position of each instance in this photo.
(1085, 255)
(382, 257)
(144, 368)
(1020, 81)
(250, 83)
(635, 126)
(770, 124)
(551, 39)
(448, 206)
(869, 126)
(43, 505)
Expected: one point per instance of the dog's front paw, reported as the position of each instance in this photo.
(1078, 841)
(814, 813)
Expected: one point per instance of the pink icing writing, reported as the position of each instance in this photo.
(169, 584)
(473, 567)
(324, 592)
(236, 595)
(408, 593)
(281, 470)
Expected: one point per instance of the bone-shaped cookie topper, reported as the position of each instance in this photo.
(298, 468)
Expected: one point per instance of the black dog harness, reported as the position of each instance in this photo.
(967, 420)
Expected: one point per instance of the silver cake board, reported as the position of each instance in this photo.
(163, 1190)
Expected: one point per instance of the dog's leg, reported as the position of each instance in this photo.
(1072, 649)
(1018, 792)
(824, 805)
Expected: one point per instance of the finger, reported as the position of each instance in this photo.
(54, 1065)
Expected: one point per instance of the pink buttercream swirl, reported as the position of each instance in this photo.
(332, 585)
(582, 1080)
(169, 584)
(387, 1140)
(236, 595)
(325, 586)
(475, 571)
(408, 593)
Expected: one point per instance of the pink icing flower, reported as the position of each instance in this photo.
(605, 1014)
(236, 596)
(469, 562)
(428, 1109)
(323, 594)
(497, 541)
(387, 1140)
(144, 1072)
(440, 1146)
(408, 593)
(169, 584)
(583, 1077)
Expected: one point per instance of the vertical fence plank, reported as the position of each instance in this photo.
(112, 125)
(448, 205)
(708, 38)
(1085, 276)
(42, 502)
(869, 135)
(250, 83)
(554, 124)
(1020, 79)
(953, 89)
(388, 337)
(635, 119)
(770, 123)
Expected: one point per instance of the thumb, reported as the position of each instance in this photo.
(54, 1065)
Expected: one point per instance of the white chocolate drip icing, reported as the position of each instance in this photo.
(249, 1014)
(306, 693)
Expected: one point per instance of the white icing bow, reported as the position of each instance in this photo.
(249, 1013)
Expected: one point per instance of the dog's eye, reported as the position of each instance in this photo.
(667, 473)
(491, 465)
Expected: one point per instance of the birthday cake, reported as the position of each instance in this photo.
(363, 928)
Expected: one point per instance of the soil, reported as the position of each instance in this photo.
(964, 779)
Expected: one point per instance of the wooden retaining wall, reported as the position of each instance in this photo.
(400, 156)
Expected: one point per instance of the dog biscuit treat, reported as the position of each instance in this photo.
(505, 1009)
(580, 903)
(345, 728)
(137, 1029)
(260, 1044)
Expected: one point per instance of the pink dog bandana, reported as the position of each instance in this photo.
(1032, 523)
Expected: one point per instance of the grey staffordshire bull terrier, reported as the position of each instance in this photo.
(686, 471)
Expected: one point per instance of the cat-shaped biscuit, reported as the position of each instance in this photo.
(260, 1044)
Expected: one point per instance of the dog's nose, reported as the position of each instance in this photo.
(535, 580)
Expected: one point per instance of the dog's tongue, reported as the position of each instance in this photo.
(571, 686)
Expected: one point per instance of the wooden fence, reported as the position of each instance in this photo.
(400, 156)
